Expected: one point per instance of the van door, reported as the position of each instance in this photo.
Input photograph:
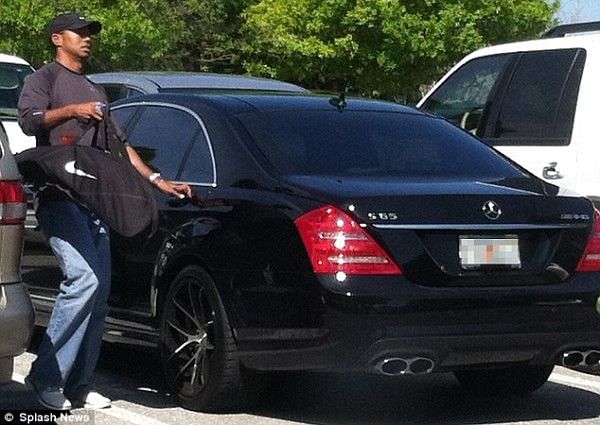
(525, 107)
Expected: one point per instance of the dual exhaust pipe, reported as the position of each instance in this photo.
(580, 358)
(394, 366)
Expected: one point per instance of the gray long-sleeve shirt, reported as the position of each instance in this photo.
(54, 86)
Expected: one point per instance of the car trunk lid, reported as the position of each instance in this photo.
(448, 233)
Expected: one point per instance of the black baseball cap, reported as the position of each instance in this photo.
(73, 21)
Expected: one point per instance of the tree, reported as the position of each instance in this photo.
(208, 39)
(379, 47)
(137, 35)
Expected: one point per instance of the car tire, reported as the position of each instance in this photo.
(6, 370)
(198, 350)
(513, 380)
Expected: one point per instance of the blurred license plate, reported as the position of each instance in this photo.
(481, 251)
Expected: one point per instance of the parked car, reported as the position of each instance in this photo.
(120, 85)
(16, 309)
(13, 71)
(535, 101)
(344, 235)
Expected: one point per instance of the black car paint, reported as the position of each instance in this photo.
(242, 232)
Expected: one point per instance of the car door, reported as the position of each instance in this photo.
(522, 103)
(169, 138)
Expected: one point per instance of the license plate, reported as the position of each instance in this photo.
(483, 251)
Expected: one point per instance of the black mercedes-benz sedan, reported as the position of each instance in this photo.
(343, 235)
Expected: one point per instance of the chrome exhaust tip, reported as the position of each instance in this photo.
(574, 358)
(394, 366)
(592, 358)
(421, 365)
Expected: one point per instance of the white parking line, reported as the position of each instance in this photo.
(574, 381)
(114, 411)
(131, 417)
(18, 378)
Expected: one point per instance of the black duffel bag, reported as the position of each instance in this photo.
(107, 184)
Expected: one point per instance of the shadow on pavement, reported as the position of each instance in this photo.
(134, 375)
(434, 399)
(123, 373)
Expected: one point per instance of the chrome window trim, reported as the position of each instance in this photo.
(202, 126)
(480, 226)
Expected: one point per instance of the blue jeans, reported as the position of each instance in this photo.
(69, 351)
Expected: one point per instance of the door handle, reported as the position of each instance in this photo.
(177, 202)
(550, 172)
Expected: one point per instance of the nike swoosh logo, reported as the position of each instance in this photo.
(71, 169)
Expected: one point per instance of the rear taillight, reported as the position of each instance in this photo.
(13, 204)
(590, 261)
(336, 243)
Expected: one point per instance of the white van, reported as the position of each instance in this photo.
(535, 101)
(13, 71)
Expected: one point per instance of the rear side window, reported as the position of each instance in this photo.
(199, 167)
(114, 92)
(119, 91)
(359, 143)
(162, 136)
(123, 115)
(538, 105)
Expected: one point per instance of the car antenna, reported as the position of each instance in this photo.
(339, 102)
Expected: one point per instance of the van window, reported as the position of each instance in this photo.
(463, 96)
(12, 77)
(538, 105)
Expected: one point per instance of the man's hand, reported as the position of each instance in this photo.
(178, 190)
(87, 111)
(80, 111)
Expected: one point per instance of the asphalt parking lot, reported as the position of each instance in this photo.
(129, 377)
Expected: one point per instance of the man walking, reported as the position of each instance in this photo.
(58, 104)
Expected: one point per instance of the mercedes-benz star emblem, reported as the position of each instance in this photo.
(491, 210)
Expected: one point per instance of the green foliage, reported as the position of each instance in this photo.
(136, 35)
(379, 47)
(385, 48)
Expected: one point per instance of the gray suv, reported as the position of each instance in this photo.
(16, 309)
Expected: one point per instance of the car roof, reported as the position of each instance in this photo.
(12, 59)
(155, 81)
(242, 103)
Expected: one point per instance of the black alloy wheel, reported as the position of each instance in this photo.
(198, 350)
(513, 380)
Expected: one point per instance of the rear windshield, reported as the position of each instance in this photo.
(11, 83)
(355, 143)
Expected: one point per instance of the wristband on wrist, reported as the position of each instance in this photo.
(154, 178)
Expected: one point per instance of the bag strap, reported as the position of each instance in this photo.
(115, 145)
(84, 130)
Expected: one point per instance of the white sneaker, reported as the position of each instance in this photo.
(91, 400)
(50, 397)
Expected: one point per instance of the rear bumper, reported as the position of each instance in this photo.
(16, 319)
(457, 328)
